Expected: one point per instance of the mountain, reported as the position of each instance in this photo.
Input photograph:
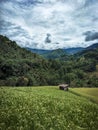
(68, 50)
(90, 52)
(21, 67)
(10, 50)
(94, 46)
(38, 51)
(59, 53)
(73, 50)
(49, 54)
(55, 54)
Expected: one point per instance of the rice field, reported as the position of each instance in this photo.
(90, 93)
(46, 108)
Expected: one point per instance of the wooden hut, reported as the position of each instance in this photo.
(63, 87)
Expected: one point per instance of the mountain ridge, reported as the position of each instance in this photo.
(20, 67)
(72, 50)
(53, 54)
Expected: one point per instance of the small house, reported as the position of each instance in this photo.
(63, 87)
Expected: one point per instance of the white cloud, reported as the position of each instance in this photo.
(65, 20)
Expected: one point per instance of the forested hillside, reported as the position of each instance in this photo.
(89, 53)
(57, 53)
(20, 67)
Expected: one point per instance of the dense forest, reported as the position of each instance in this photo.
(21, 67)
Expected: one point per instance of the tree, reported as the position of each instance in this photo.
(69, 77)
(22, 81)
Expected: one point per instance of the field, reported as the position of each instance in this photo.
(90, 93)
(46, 108)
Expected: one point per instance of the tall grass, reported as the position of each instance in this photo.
(45, 108)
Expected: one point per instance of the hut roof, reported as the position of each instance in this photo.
(63, 85)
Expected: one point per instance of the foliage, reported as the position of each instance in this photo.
(44, 108)
(17, 62)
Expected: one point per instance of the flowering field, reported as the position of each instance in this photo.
(45, 108)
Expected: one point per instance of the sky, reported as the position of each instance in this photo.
(50, 24)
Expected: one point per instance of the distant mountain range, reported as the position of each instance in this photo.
(73, 50)
(90, 52)
(94, 46)
(68, 50)
(57, 53)
(38, 51)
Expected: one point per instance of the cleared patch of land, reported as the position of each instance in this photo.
(90, 93)
(45, 108)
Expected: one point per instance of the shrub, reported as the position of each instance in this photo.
(22, 81)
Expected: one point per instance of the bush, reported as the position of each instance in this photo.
(93, 81)
(22, 81)
(11, 81)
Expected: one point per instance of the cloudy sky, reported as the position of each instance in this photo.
(50, 24)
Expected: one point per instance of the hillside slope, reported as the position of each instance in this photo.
(55, 54)
(93, 46)
(20, 67)
(90, 52)
(9, 49)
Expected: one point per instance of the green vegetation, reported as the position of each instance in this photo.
(45, 108)
(90, 93)
(20, 67)
(55, 54)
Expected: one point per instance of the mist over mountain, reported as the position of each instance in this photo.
(50, 24)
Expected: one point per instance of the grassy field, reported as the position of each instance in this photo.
(90, 93)
(46, 108)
